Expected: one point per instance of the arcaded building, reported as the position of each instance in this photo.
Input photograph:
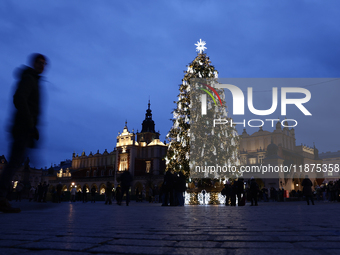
(277, 148)
(142, 153)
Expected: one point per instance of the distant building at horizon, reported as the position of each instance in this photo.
(333, 159)
(277, 148)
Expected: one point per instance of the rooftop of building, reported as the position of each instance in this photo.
(329, 154)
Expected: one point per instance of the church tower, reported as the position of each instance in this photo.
(148, 133)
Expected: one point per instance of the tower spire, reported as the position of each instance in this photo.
(148, 124)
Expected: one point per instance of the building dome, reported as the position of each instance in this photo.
(272, 149)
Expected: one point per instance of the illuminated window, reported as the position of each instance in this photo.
(148, 166)
(123, 163)
(261, 157)
(252, 161)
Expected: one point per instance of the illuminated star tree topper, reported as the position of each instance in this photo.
(200, 46)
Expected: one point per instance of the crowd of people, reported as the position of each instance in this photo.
(35, 193)
(326, 192)
(173, 188)
(171, 192)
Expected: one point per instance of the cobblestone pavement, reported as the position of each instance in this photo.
(142, 228)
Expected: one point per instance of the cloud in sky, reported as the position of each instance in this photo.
(107, 58)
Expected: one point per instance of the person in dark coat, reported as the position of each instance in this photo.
(119, 195)
(93, 194)
(125, 182)
(45, 190)
(137, 194)
(307, 189)
(168, 189)
(84, 194)
(18, 190)
(227, 192)
(233, 193)
(239, 190)
(40, 192)
(59, 192)
(253, 191)
(24, 129)
(265, 194)
(180, 187)
(108, 193)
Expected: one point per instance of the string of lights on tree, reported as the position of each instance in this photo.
(185, 119)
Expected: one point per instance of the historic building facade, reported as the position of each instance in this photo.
(141, 153)
(277, 148)
(332, 160)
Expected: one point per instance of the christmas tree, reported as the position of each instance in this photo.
(193, 140)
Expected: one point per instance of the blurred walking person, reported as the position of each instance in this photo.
(24, 129)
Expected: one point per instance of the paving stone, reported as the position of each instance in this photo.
(79, 239)
(56, 246)
(257, 245)
(138, 242)
(298, 238)
(278, 252)
(143, 228)
(320, 245)
(11, 251)
(10, 243)
(197, 244)
(123, 249)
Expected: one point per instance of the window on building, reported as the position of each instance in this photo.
(148, 166)
(252, 161)
(123, 163)
(261, 157)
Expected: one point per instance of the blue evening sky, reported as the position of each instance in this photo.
(107, 58)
